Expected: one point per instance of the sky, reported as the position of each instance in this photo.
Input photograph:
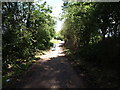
(56, 10)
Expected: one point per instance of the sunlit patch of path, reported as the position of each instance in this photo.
(51, 54)
(52, 71)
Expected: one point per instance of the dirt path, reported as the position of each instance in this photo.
(53, 71)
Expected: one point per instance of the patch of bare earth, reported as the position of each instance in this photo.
(51, 71)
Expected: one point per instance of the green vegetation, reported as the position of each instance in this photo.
(58, 36)
(27, 29)
(54, 41)
(92, 34)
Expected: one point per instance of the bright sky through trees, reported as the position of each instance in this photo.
(56, 10)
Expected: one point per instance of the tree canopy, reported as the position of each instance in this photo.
(87, 23)
(92, 32)
(26, 27)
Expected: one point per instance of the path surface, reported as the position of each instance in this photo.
(52, 71)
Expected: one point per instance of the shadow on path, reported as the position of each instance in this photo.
(52, 71)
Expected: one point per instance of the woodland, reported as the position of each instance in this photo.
(91, 32)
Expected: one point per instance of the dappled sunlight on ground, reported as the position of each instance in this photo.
(51, 54)
(52, 71)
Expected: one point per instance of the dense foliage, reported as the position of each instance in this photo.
(92, 31)
(26, 27)
(58, 36)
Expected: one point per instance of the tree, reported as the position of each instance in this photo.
(26, 27)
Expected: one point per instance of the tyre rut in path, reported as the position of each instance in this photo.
(52, 71)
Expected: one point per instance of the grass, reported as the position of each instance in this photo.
(55, 41)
